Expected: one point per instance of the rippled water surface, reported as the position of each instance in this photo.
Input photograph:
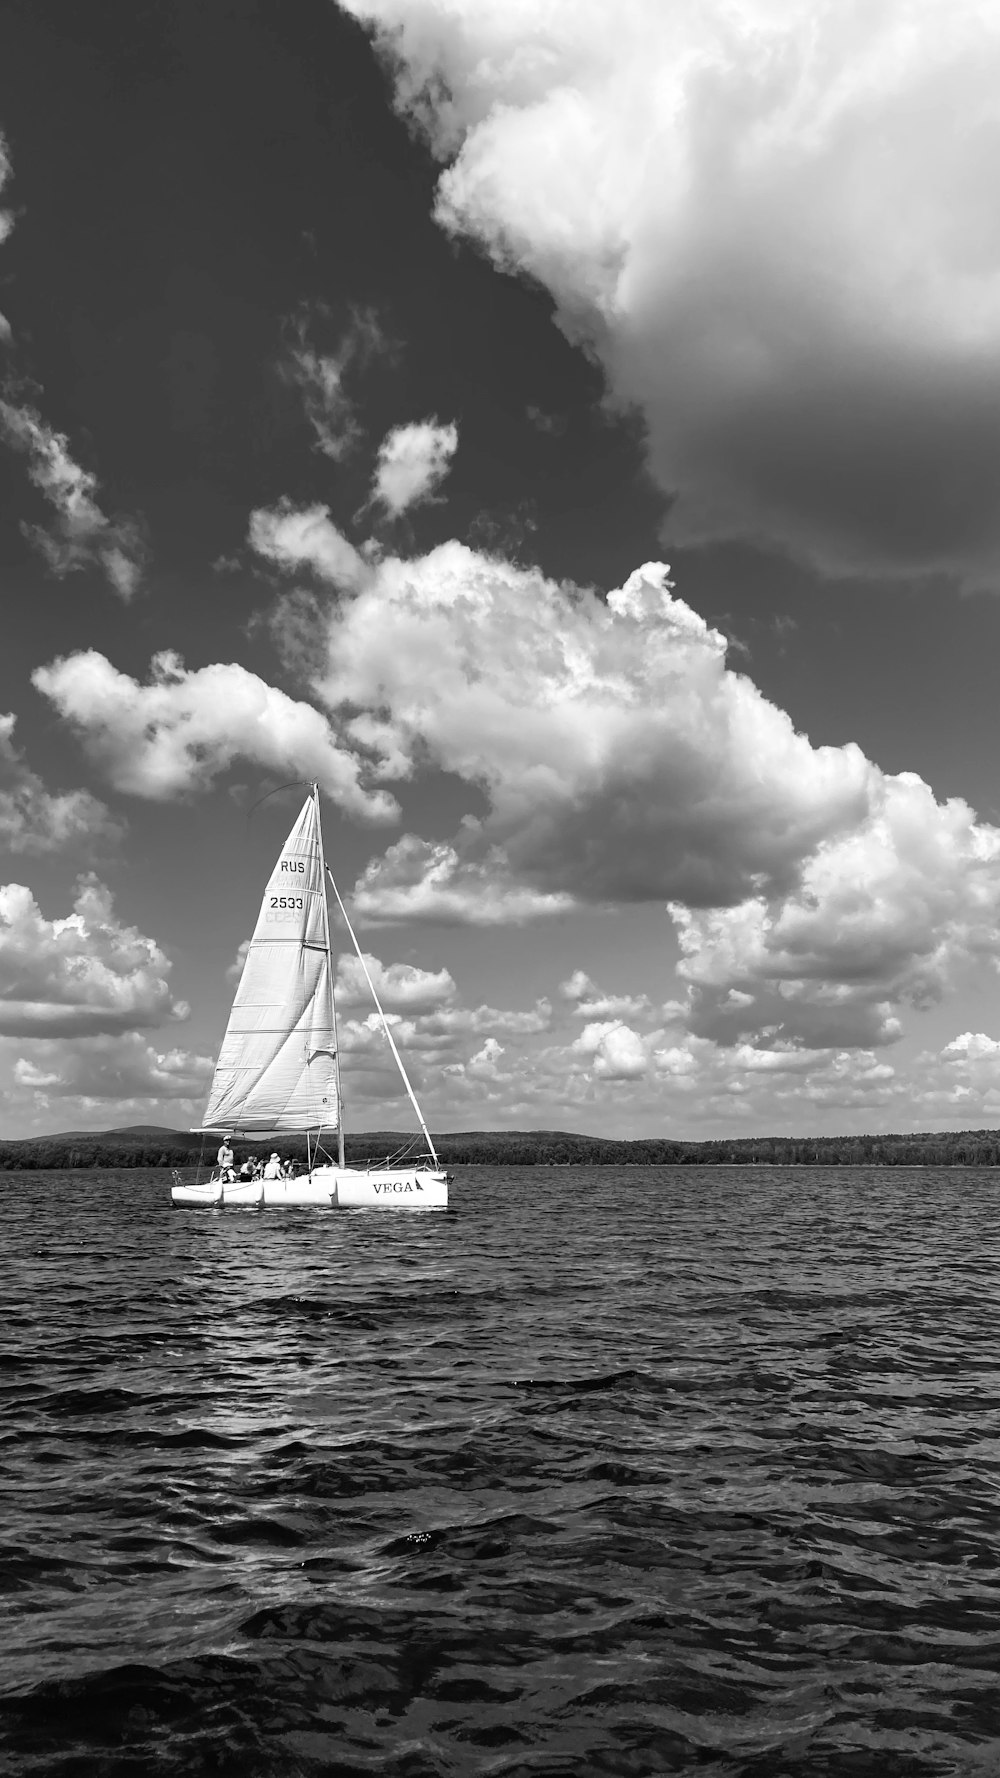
(613, 1471)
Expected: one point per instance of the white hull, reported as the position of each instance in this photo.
(326, 1188)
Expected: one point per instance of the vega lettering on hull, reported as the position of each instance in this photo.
(406, 1186)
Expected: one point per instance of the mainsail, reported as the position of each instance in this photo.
(277, 1068)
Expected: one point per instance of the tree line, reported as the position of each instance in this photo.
(517, 1148)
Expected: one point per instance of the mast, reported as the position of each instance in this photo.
(385, 1024)
(323, 874)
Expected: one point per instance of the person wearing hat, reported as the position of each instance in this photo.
(225, 1160)
(273, 1168)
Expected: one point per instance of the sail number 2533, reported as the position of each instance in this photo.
(286, 901)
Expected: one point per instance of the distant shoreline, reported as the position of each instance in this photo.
(153, 1147)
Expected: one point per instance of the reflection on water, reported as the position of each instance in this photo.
(614, 1472)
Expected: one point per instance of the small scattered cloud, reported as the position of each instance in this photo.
(590, 1002)
(460, 1021)
(617, 1052)
(306, 537)
(554, 424)
(82, 535)
(412, 463)
(424, 880)
(6, 222)
(235, 969)
(80, 975)
(321, 376)
(401, 987)
(34, 820)
(485, 1064)
(177, 734)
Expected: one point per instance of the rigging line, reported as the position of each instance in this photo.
(385, 1023)
(323, 873)
(296, 784)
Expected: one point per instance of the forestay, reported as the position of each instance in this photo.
(277, 1068)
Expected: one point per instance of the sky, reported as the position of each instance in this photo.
(571, 436)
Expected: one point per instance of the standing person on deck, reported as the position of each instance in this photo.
(225, 1160)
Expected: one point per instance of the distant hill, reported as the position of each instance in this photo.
(122, 1130)
(152, 1145)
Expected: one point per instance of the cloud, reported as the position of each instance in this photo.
(98, 1072)
(556, 424)
(32, 820)
(616, 758)
(590, 1002)
(80, 975)
(321, 378)
(885, 915)
(621, 760)
(485, 1064)
(412, 463)
(82, 535)
(306, 537)
(974, 1047)
(6, 221)
(618, 1052)
(400, 986)
(773, 225)
(181, 731)
(460, 1021)
(234, 970)
(424, 880)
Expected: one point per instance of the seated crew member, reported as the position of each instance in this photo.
(288, 1169)
(225, 1159)
(248, 1171)
(273, 1168)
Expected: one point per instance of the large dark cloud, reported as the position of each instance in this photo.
(775, 227)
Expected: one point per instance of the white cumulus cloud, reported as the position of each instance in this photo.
(181, 731)
(399, 986)
(617, 1052)
(306, 537)
(119, 1077)
(591, 1002)
(412, 462)
(426, 880)
(621, 760)
(620, 757)
(775, 226)
(882, 915)
(80, 975)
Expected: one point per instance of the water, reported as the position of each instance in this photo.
(613, 1472)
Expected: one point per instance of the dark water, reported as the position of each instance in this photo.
(616, 1472)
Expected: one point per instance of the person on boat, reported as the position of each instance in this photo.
(273, 1168)
(248, 1171)
(225, 1160)
(288, 1168)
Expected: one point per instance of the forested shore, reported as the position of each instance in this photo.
(521, 1148)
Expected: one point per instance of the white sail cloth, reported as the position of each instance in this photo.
(277, 1068)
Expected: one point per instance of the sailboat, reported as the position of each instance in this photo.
(278, 1070)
